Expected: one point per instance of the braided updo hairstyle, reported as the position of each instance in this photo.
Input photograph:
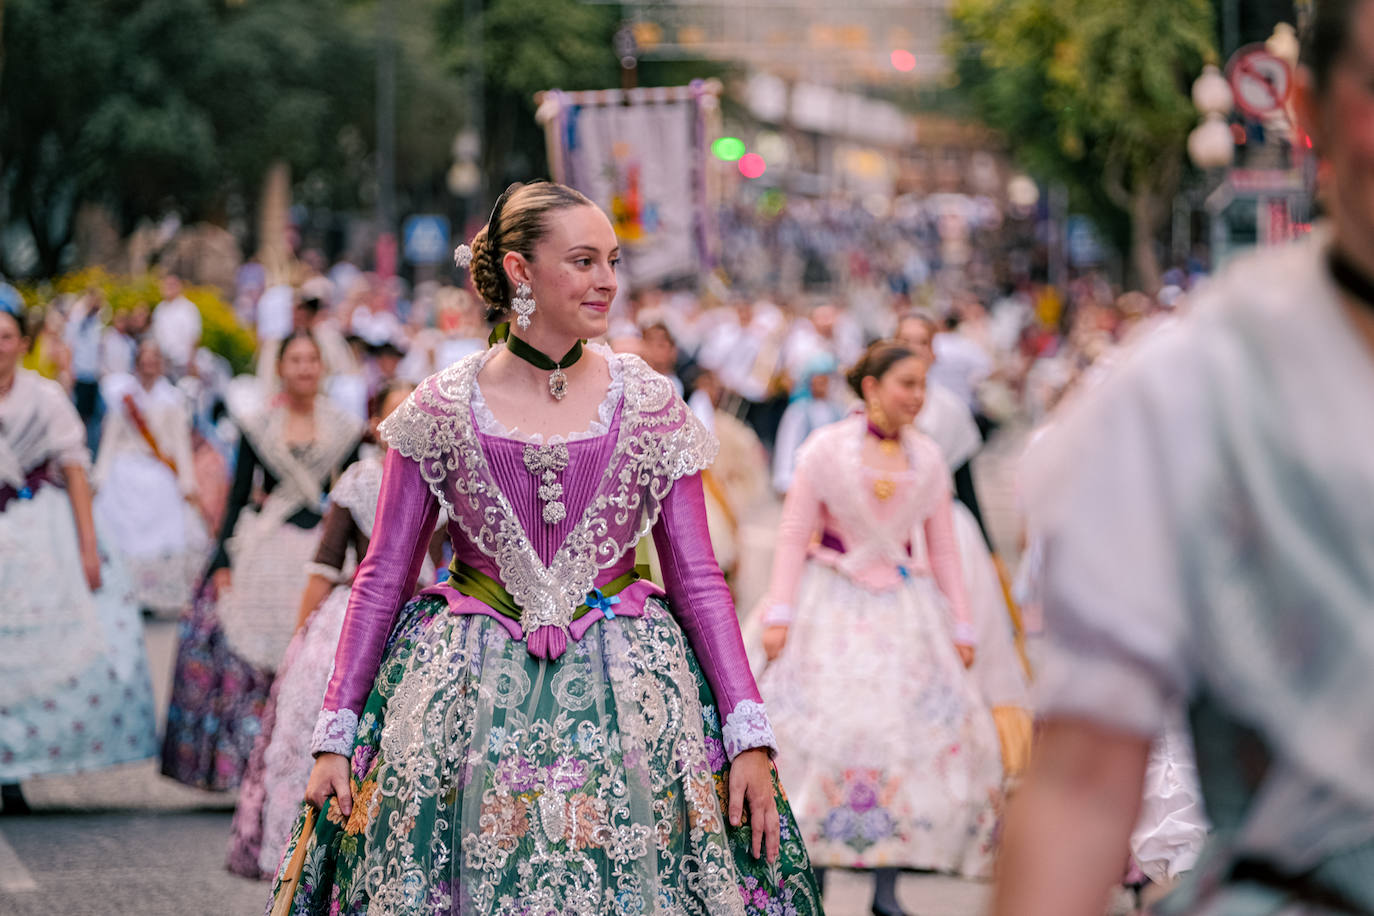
(518, 223)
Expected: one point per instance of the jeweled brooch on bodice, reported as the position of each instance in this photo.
(547, 462)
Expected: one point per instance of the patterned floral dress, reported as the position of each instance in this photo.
(231, 644)
(888, 743)
(75, 693)
(556, 763)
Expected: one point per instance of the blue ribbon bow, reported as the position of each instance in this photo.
(603, 603)
(25, 493)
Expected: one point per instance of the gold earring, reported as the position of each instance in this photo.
(879, 416)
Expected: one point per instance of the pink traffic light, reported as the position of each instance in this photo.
(903, 60)
(751, 165)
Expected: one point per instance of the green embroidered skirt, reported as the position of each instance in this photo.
(486, 781)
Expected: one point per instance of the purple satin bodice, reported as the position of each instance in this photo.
(408, 509)
(587, 462)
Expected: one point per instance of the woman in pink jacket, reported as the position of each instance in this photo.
(889, 749)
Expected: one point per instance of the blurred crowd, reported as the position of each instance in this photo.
(216, 513)
(1007, 350)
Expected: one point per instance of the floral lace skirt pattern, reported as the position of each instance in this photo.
(889, 749)
(487, 781)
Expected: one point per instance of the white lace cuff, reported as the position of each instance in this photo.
(747, 727)
(777, 615)
(965, 634)
(334, 732)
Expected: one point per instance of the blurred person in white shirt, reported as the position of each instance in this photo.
(176, 326)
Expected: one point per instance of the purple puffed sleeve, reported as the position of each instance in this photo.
(703, 606)
(406, 514)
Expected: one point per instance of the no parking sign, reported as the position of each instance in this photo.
(1261, 81)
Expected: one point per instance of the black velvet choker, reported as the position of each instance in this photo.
(558, 380)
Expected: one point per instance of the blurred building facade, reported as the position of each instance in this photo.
(830, 43)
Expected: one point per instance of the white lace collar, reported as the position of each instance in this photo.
(488, 425)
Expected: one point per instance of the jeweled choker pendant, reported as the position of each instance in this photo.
(558, 379)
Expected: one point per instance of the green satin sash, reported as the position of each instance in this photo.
(476, 584)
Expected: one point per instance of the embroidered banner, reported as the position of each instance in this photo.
(642, 157)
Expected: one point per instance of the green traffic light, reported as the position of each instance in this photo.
(728, 149)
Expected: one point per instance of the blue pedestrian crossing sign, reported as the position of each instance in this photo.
(425, 238)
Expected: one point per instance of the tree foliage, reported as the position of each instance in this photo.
(147, 106)
(522, 47)
(1092, 94)
(221, 331)
(142, 105)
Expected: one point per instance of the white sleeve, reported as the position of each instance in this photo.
(182, 454)
(947, 419)
(1108, 491)
(65, 441)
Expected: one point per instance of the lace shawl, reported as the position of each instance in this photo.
(659, 441)
(357, 491)
(832, 459)
(489, 425)
(299, 479)
(38, 425)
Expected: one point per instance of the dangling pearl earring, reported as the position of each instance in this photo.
(524, 305)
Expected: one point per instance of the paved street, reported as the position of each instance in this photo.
(149, 863)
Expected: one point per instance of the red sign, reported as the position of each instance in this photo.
(1260, 81)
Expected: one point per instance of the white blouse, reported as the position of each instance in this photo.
(1207, 525)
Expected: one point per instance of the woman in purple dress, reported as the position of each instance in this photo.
(547, 732)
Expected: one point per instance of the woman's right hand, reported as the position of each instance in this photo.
(774, 638)
(330, 778)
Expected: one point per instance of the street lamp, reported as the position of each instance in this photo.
(1211, 145)
(1284, 44)
(1023, 194)
(1212, 148)
(1212, 92)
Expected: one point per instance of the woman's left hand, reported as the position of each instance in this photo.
(751, 780)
